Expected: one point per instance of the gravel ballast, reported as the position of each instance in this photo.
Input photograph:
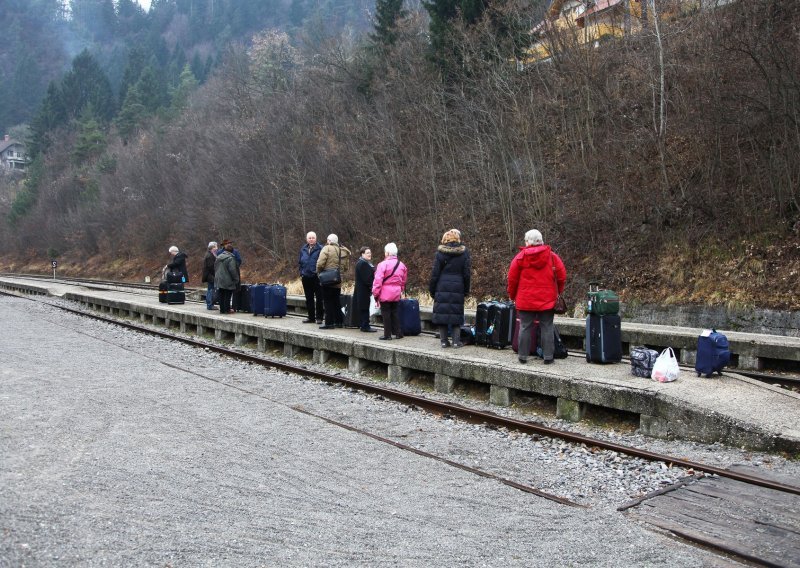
(118, 448)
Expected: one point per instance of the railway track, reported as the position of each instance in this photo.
(443, 408)
(467, 414)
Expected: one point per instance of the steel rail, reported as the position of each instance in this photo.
(439, 407)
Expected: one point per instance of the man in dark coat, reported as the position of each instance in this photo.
(208, 273)
(449, 285)
(178, 262)
(309, 254)
(365, 272)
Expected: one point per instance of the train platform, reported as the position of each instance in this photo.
(731, 409)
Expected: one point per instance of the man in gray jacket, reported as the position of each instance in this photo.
(226, 277)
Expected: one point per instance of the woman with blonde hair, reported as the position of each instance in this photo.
(449, 285)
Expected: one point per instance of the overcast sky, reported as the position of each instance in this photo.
(145, 4)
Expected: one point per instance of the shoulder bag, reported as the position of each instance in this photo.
(332, 276)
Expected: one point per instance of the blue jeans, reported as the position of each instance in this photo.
(210, 296)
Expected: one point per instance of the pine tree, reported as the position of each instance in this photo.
(387, 14)
(86, 84)
(131, 114)
(91, 141)
(50, 116)
(187, 85)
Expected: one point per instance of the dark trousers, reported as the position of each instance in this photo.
(331, 297)
(526, 320)
(313, 292)
(391, 319)
(225, 300)
(364, 318)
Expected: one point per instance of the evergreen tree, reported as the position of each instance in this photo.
(133, 70)
(387, 14)
(131, 114)
(152, 89)
(86, 84)
(186, 86)
(51, 115)
(91, 141)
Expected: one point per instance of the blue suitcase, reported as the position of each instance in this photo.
(410, 323)
(713, 353)
(274, 301)
(603, 339)
(257, 299)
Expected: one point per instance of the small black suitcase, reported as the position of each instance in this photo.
(603, 339)
(175, 277)
(501, 323)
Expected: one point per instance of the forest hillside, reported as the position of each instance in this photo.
(664, 164)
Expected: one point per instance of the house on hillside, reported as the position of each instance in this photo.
(589, 22)
(12, 155)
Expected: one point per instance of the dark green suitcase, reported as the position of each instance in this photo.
(602, 302)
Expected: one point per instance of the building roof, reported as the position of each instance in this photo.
(598, 7)
(6, 144)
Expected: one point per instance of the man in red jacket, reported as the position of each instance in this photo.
(535, 279)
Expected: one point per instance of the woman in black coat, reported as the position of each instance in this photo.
(365, 273)
(449, 285)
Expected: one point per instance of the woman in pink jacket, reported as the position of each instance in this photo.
(388, 287)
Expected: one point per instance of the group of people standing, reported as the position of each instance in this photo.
(221, 274)
(535, 279)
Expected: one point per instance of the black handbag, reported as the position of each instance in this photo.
(331, 276)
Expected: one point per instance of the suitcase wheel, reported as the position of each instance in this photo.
(698, 374)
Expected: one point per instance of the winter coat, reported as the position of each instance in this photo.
(208, 267)
(329, 258)
(365, 275)
(178, 264)
(449, 283)
(308, 259)
(226, 273)
(392, 289)
(530, 278)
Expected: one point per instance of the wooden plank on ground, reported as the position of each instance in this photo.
(758, 524)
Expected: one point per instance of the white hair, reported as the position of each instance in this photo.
(311, 234)
(390, 249)
(173, 248)
(212, 244)
(333, 239)
(533, 237)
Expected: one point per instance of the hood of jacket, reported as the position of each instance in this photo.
(535, 256)
(452, 248)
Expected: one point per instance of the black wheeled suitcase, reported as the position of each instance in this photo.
(351, 317)
(176, 293)
(163, 288)
(500, 332)
(481, 322)
(241, 299)
(603, 339)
